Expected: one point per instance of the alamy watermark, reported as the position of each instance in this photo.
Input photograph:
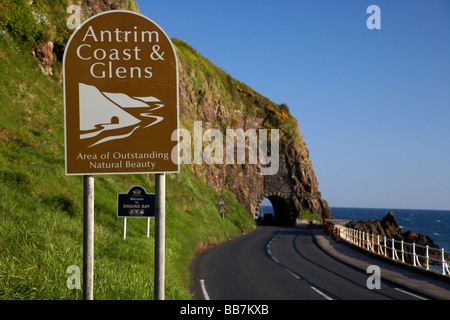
(213, 153)
(74, 280)
(374, 21)
(74, 21)
(374, 281)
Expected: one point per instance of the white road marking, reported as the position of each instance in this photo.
(411, 294)
(205, 293)
(296, 276)
(321, 293)
(275, 259)
(291, 272)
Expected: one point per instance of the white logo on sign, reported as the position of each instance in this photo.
(106, 116)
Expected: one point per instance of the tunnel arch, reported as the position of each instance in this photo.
(283, 213)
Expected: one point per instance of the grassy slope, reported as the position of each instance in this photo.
(41, 208)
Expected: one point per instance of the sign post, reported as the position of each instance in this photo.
(121, 110)
(160, 234)
(88, 237)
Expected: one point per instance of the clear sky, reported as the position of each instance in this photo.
(373, 105)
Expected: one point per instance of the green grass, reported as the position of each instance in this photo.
(307, 215)
(41, 221)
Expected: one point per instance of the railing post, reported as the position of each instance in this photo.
(385, 247)
(364, 240)
(393, 248)
(368, 244)
(378, 244)
(403, 253)
(428, 260)
(414, 254)
(443, 261)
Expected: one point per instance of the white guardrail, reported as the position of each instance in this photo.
(403, 251)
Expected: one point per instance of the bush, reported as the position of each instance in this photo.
(308, 215)
(26, 22)
(284, 107)
(275, 117)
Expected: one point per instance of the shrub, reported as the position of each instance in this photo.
(308, 215)
(284, 107)
(26, 22)
(276, 117)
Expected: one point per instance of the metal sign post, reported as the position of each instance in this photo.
(88, 237)
(124, 228)
(160, 234)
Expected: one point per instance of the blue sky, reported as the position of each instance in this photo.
(373, 105)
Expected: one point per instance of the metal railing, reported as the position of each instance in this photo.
(432, 259)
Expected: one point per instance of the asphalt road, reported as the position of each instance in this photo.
(282, 263)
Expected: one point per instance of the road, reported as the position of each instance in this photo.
(282, 263)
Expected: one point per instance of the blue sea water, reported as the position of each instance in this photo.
(432, 223)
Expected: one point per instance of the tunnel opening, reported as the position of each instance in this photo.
(274, 210)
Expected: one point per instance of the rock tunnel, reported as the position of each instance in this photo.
(283, 213)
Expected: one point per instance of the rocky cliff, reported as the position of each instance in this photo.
(210, 95)
(216, 100)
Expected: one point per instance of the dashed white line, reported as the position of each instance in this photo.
(290, 271)
(321, 293)
(296, 276)
(411, 294)
(275, 259)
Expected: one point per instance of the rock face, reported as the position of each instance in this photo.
(388, 227)
(53, 51)
(209, 95)
(44, 54)
(96, 6)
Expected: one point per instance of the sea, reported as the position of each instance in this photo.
(432, 223)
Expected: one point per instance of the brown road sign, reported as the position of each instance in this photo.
(121, 97)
